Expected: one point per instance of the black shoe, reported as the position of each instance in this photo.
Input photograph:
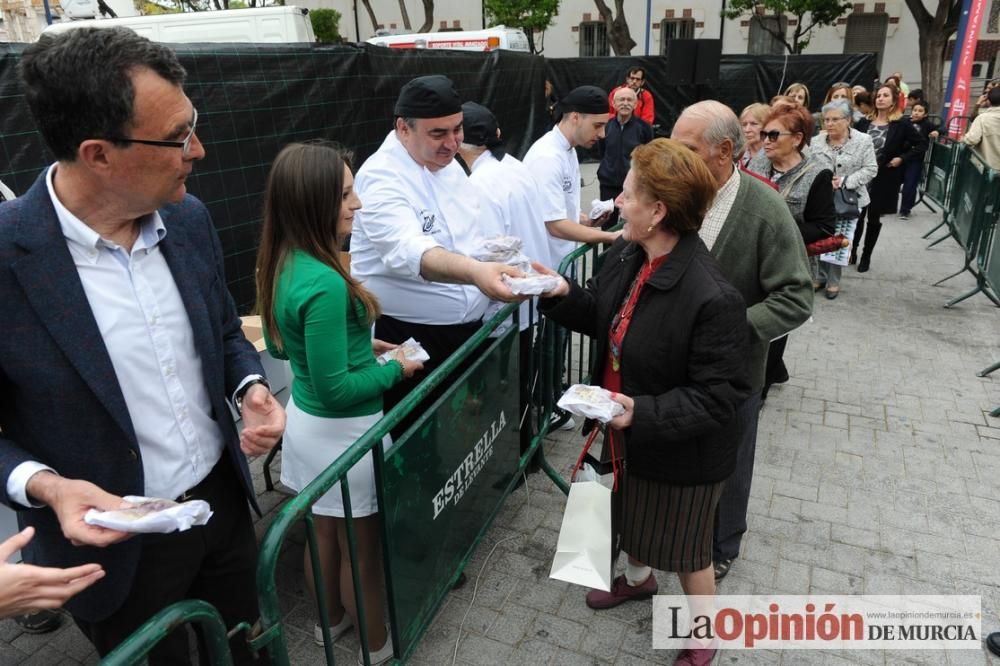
(722, 568)
(864, 265)
(460, 583)
(993, 643)
(41, 622)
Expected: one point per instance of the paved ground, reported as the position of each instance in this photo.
(878, 471)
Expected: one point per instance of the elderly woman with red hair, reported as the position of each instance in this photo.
(805, 182)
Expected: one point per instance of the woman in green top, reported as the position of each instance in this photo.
(319, 318)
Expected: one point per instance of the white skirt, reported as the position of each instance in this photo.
(313, 443)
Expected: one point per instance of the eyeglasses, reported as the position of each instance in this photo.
(773, 135)
(830, 121)
(184, 145)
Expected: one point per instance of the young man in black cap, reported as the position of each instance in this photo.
(412, 241)
(508, 189)
(555, 168)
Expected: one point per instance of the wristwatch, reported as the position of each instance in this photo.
(246, 387)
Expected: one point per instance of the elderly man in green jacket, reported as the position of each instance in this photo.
(751, 233)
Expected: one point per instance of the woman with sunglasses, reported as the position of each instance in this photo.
(319, 318)
(805, 183)
(896, 140)
(853, 158)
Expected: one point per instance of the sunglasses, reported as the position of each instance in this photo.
(773, 135)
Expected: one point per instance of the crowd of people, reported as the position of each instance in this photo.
(121, 348)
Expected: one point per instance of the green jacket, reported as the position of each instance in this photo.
(762, 254)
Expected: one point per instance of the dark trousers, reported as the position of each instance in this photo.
(731, 514)
(775, 371)
(216, 562)
(871, 231)
(911, 177)
(439, 342)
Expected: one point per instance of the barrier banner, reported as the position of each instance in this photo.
(442, 482)
(960, 81)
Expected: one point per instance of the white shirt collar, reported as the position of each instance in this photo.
(483, 159)
(561, 139)
(151, 229)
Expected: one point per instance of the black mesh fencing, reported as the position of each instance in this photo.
(253, 99)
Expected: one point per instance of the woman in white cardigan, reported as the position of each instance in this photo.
(852, 157)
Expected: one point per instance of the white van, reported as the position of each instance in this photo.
(491, 39)
(257, 25)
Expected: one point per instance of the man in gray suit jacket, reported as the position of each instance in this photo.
(120, 344)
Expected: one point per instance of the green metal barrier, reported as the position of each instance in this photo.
(440, 486)
(938, 178)
(191, 611)
(973, 205)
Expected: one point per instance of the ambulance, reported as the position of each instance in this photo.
(491, 39)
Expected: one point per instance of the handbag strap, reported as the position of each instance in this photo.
(615, 469)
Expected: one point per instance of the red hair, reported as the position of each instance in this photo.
(795, 119)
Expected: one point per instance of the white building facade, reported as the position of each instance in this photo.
(885, 27)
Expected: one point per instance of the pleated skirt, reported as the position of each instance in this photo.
(665, 526)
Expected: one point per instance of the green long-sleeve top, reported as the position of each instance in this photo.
(327, 342)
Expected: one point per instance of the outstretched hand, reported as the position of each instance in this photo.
(25, 588)
(559, 291)
(623, 420)
(71, 499)
(489, 279)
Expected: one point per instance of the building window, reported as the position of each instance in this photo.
(682, 28)
(866, 34)
(593, 39)
(993, 25)
(762, 41)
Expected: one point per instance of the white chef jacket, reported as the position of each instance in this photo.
(554, 167)
(509, 190)
(406, 211)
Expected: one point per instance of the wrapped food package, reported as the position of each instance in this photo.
(150, 515)
(532, 284)
(411, 350)
(599, 208)
(592, 402)
(504, 250)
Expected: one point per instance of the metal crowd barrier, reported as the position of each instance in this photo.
(456, 464)
(938, 178)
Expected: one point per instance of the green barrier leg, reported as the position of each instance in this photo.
(137, 647)
(320, 585)
(964, 268)
(995, 413)
(986, 371)
(939, 225)
(939, 240)
(963, 297)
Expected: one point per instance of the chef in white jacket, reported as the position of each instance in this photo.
(419, 224)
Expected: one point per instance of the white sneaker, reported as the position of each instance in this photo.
(569, 425)
(336, 631)
(380, 656)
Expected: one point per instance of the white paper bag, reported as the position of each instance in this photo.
(583, 552)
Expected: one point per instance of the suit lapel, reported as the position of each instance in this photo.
(190, 284)
(52, 286)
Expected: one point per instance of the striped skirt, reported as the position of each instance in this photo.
(665, 526)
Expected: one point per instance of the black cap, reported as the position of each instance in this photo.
(585, 99)
(480, 126)
(428, 97)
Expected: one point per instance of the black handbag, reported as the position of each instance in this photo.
(846, 202)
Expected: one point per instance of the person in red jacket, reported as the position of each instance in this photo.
(635, 80)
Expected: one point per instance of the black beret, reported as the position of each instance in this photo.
(480, 126)
(585, 99)
(428, 97)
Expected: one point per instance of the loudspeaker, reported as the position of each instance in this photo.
(681, 56)
(706, 67)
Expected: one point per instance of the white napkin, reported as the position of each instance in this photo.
(152, 515)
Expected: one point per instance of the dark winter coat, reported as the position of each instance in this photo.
(684, 358)
(904, 141)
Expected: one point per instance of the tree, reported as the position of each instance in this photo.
(934, 31)
(619, 36)
(371, 15)
(529, 15)
(428, 16)
(406, 15)
(326, 25)
(820, 12)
